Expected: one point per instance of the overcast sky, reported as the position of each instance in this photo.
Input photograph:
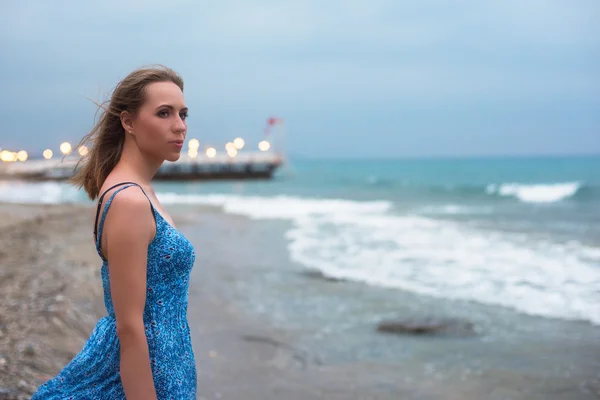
(352, 78)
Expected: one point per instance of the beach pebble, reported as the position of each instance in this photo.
(29, 350)
(427, 326)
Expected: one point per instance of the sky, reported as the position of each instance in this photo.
(350, 78)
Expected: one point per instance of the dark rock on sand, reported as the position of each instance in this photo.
(316, 274)
(428, 326)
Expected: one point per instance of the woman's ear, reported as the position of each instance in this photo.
(127, 122)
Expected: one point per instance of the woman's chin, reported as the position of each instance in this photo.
(173, 157)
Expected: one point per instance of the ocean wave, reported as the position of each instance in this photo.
(369, 243)
(536, 193)
(524, 192)
(278, 207)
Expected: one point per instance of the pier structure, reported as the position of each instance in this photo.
(248, 165)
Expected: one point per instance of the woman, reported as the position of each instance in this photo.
(142, 349)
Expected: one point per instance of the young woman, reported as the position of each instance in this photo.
(142, 349)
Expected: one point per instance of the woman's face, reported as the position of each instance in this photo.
(160, 124)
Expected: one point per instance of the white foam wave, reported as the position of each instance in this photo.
(366, 242)
(279, 207)
(536, 193)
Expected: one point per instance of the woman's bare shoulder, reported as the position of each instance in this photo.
(130, 213)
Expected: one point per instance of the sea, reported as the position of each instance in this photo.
(521, 233)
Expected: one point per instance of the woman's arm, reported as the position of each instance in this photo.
(129, 228)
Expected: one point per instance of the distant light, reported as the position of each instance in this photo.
(22, 155)
(47, 154)
(239, 143)
(229, 146)
(65, 148)
(193, 153)
(83, 150)
(264, 145)
(7, 156)
(193, 144)
(211, 152)
(232, 152)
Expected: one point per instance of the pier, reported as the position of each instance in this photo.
(241, 166)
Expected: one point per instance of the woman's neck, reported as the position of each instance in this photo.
(135, 164)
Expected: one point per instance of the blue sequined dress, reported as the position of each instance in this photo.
(94, 371)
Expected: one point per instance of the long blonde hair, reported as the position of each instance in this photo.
(107, 138)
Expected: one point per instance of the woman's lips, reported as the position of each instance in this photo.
(177, 143)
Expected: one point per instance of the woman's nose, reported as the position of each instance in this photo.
(180, 125)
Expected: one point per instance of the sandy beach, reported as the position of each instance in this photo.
(52, 298)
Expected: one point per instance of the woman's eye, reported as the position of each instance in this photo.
(183, 116)
(163, 113)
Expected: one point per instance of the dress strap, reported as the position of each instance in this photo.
(98, 228)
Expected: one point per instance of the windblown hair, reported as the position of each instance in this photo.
(106, 140)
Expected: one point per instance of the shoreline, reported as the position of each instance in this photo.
(52, 299)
